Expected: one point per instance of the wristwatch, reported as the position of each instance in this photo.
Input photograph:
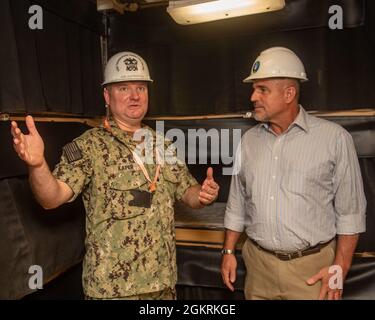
(227, 251)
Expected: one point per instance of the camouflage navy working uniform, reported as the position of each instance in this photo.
(130, 249)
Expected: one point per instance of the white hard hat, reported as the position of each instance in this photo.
(277, 62)
(126, 66)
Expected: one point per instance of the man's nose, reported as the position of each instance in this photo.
(134, 94)
(253, 96)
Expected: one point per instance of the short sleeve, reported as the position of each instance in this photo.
(176, 171)
(186, 180)
(180, 177)
(74, 167)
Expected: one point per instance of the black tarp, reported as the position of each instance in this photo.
(29, 235)
(199, 276)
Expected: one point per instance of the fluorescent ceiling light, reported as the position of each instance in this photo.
(198, 11)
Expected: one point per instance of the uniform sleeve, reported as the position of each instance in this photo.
(185, 181)
(74, 167)
(177, 172)
(234, 218)
(350, 201)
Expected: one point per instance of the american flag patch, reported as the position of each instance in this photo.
(72, 152)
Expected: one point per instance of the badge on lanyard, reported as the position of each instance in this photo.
(141, 198)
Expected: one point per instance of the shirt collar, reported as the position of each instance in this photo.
(301, 121)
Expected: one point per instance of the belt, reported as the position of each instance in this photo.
(296, 254)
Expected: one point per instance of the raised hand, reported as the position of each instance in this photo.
(209, 190)
(29, 147)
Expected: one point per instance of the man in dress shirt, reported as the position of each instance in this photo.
(297, 193)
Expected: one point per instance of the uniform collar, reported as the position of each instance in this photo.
(124, 136)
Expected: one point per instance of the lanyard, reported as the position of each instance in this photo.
(152, 183)
(137, 159)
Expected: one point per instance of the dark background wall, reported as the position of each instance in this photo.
(55, 69)
(199, 69)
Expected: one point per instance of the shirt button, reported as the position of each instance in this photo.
(276, 157)
(273, 177)
(272, 197)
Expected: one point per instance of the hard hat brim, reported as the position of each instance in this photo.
(128, 80)
(251, 78)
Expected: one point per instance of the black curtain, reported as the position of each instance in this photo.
(199, 69)
(57, 68)
(54, 240)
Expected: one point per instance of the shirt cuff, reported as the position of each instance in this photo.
(351, 224)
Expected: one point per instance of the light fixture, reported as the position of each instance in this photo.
(197, 11)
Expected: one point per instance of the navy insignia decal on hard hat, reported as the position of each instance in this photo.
(256, 66)
(131, 64)
(72, 152)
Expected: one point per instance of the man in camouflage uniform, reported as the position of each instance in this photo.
(130, 236)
